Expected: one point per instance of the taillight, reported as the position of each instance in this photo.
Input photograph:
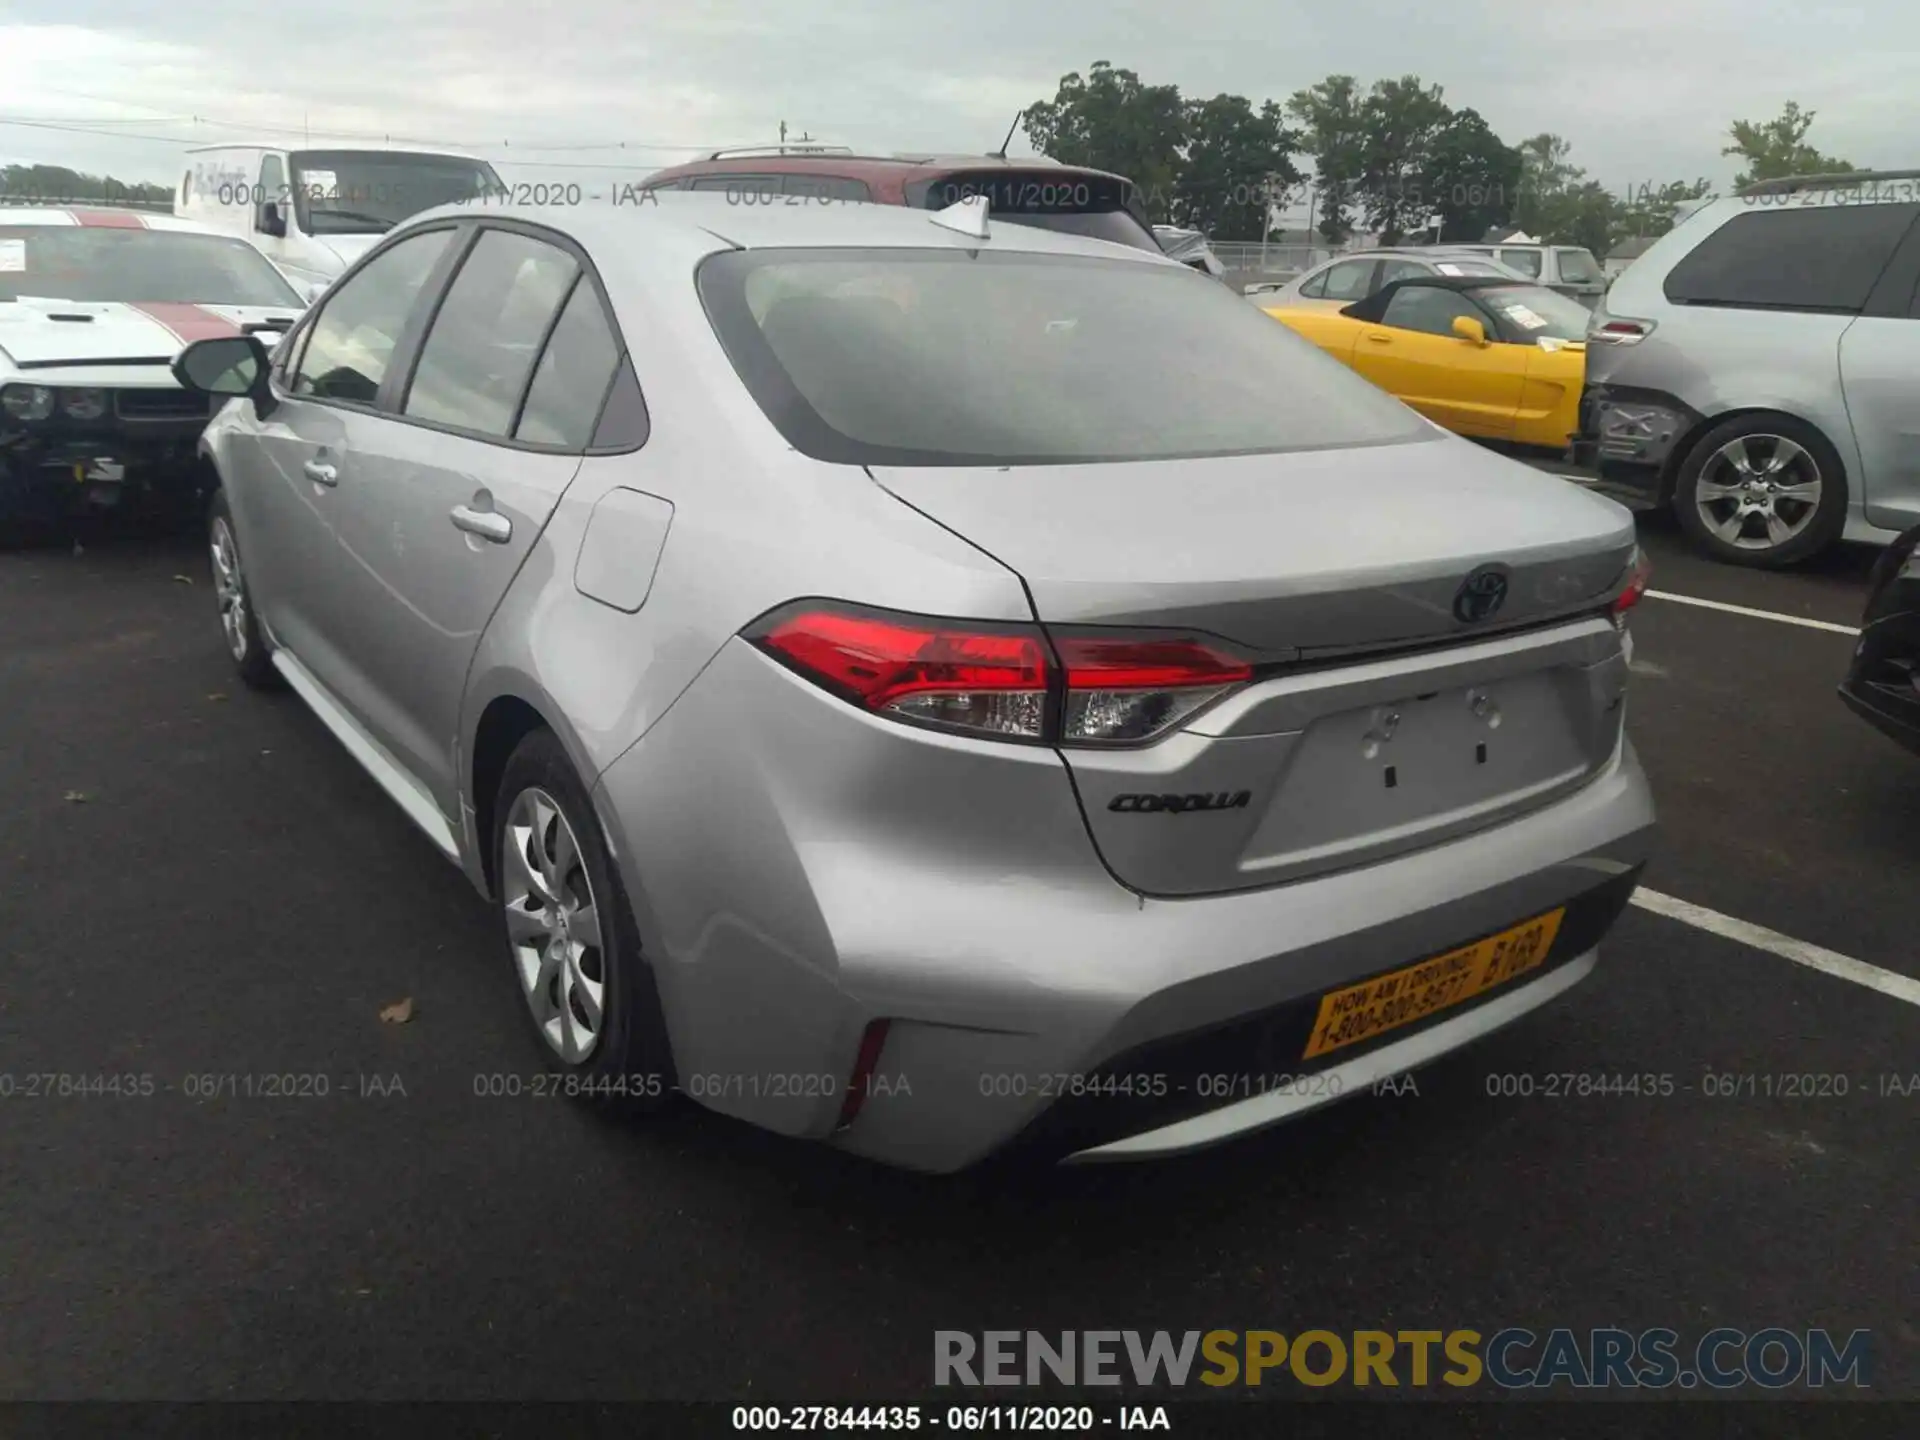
(1122, 690)
(1619, 332)
(1002, 681)
(1639, 574)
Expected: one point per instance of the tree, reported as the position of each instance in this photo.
(1109, 120)
(1399, 120)
(1330, 115)
(1473, 177)
(1545, 178)
(1777, 148)
(56, 182)
(1649, 211)
(1238, 161)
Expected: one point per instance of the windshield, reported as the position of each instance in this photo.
(1074, 202)
(365, 192)
(87, 262)
(956, 358)
(1534, 312)
(1578, 267)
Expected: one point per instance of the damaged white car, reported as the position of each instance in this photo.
(94, 305)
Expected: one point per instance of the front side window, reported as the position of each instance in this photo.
(86, 262)
(1527, 262)
(1818, 258)
(950, 357)
(353, 339)
(368, 192)
(273, 192)
(1578, 267)
(1429, 309)
(486, 338)
(1344, 281)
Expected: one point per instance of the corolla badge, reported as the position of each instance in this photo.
(1481, 594)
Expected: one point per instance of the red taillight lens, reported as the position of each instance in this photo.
(872, 1041)
(1002, 680)
(1620, 332)
(986, 679)
(1122, 690)
(1639, 574)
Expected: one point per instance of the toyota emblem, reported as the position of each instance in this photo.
(1481, 595)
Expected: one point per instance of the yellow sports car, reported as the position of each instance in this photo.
(1493, 358)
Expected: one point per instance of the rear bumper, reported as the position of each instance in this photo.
(1629, 436)
(799, 871)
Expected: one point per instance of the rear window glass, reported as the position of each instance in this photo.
(1823, 258)
(1578, 267)
(947, 358)
(1074, 202)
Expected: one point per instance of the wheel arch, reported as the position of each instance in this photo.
(504, 722)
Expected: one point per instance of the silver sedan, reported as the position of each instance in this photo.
(927, 685)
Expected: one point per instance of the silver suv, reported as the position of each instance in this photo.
(1569, 269)
(1756, 369)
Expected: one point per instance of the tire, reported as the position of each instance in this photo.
(1752, 517)
(246, 647)
(547, 844)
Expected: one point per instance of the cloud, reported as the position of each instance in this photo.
(1643, 89)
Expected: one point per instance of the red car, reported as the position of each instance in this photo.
(1026, 191)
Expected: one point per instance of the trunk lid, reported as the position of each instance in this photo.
(1380, 720)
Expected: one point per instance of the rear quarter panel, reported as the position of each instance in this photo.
(1324, 325)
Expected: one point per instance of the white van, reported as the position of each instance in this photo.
(314, 210)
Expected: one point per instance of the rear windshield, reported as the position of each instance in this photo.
(1074, 202)
(944, 357)
(105, 263)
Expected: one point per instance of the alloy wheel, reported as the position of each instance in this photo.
(229, 588)
(1758, 491)
(553, 926)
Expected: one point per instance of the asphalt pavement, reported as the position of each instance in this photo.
(200, 884)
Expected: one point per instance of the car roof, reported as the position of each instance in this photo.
(321, 142)
(865, 167)
(104, 217)
(715, 221)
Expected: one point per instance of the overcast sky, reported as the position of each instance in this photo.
(1644, 89)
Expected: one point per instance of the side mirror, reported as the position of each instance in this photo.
(272, 221)
(230, 365)
(1470, 329)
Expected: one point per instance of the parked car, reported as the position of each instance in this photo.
(1569, 269)
(94, 303)
(1883, 684)
(1493, 358)
(1190, 248)
(873, 670)
(1038, 192)
(1755, 369)
(1335, 284)
(314, 211)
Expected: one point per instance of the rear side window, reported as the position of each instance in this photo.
(481, 349)
(1822, 259)
(944, 357)
(1577, 267)
(573, 377)
(828, 187)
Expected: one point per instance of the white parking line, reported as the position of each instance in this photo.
(1814, 957)
(1800, 620)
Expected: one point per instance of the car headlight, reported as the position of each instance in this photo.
(27, 402)
(83, 404)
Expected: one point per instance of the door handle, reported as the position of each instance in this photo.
(1378, 339)
(487, 524)
(321, 473)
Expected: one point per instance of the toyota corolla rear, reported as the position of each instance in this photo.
(1300, 762)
